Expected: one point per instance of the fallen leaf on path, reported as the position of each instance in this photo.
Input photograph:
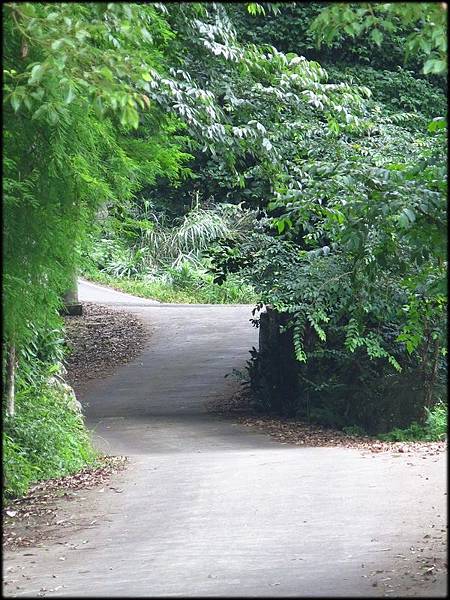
(294, 431)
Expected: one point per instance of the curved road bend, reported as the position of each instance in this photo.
(208, 508)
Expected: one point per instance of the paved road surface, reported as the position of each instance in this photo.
(208, 508)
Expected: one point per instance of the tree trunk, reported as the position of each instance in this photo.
(10, 381)
(71, 304)
(432, 379)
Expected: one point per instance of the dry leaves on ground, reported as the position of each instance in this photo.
(300, 433)
(24, 518)
(292, 431)
(101, 339)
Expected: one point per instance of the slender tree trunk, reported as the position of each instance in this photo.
(432, 379)
(424, 365)
(10, 381)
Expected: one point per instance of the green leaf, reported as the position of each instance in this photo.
(334, 126)
(376, 36)
(70, 96)
(410, 214)
(52, 116)
(436, 124)
(36, 74)
(98, 106)
(406, 217)
(280, 225)
(81, 35)
(255, 9)
(15, 101)
(130, 116)
(107, 73)
(434, 65)
(57, 44)
(40, 112)
(394, 363)
(425, 45)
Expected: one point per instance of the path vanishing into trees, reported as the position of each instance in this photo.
(208, 508)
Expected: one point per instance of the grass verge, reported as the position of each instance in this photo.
(197, 288)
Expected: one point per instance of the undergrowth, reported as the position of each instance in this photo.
(45, 439)
(433, 430)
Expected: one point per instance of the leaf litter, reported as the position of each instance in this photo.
(301, 433)
(27, 519)
(100, 340)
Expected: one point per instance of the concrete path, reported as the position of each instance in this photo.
(208, 508)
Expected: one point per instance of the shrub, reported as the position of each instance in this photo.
(46, 438)
(353, 430)
(434, 429)
(18, 470)
(412, 433)
(436, 421)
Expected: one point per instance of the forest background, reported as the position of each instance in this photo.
(291, 155)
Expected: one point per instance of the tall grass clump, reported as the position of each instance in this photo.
(167, 260)
(180, 287)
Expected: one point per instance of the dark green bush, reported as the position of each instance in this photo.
(341, 389)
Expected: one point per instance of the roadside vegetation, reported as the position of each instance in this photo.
(292, 155)
(434, 429)
(155, 256)
(46, 436)
(184, 286)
